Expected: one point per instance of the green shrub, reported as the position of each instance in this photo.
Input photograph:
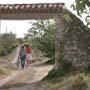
(2, 51)
(8, 43)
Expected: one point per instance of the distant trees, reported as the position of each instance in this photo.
(7, 43)
(83, 7)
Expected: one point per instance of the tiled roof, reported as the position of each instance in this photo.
(31, 8)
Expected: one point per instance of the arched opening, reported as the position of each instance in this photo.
(36, 12)
(76, 36)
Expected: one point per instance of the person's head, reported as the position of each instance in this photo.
(22, 47)
(27, 46)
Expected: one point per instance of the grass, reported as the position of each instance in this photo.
(2, 71)
(6, 69)
(66, 82)
(17, 85)
(88, 79)
(5, 66)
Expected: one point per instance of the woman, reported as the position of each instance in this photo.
(28, 55)
(22, 55)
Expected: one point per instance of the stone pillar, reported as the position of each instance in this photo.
(58, 39)
(0, 31)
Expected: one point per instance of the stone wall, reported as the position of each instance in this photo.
(76, 43)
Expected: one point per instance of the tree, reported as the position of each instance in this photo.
(83, 7)
(42, 37)
(8, 43)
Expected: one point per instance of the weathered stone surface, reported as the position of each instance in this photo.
(76, 43)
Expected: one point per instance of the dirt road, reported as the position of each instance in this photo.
(34, 73)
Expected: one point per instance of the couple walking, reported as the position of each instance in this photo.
(24, 55)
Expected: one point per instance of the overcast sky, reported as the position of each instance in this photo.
(33, 1)
(21, 27)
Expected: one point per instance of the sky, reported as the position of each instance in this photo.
(20, 27)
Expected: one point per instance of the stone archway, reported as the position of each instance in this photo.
(37, 11)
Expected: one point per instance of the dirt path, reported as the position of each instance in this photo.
(34, 73)
(5, 80)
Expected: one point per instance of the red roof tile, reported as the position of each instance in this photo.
(31, 8)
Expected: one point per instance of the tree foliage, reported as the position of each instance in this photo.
(83, 7)
(42, 37)
(7, 43)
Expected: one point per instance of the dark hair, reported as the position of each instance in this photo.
(22, 46)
